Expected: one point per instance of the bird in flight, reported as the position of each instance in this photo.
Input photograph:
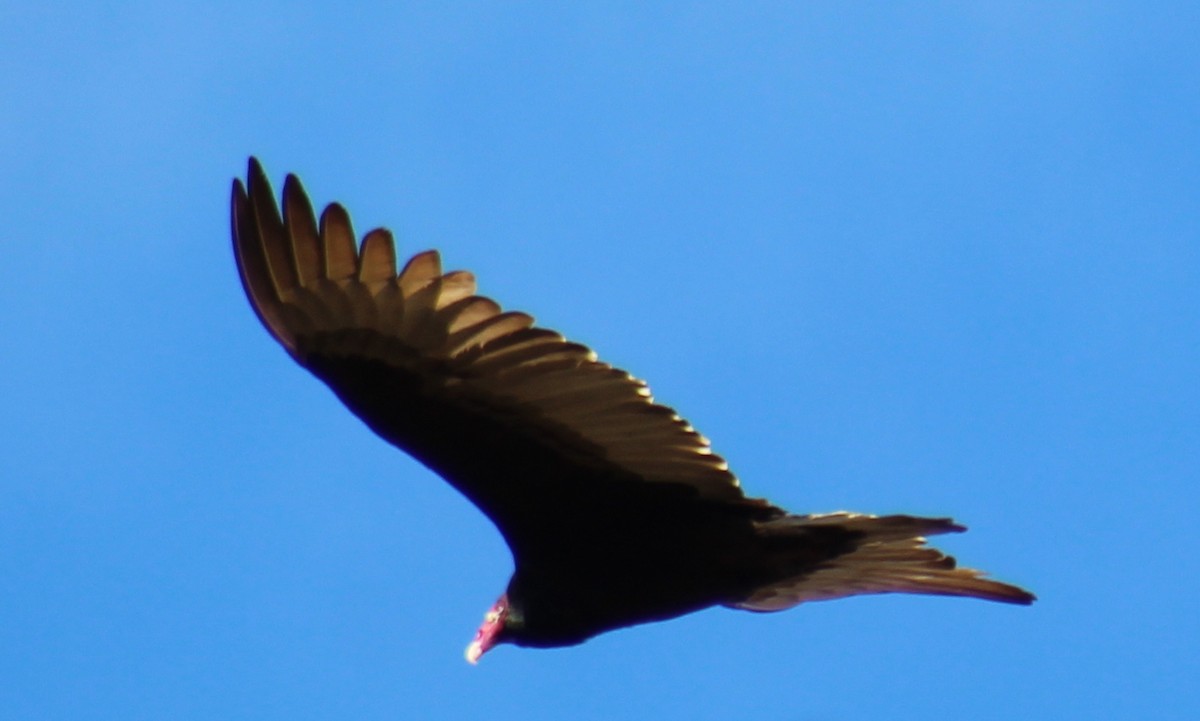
(616, 510)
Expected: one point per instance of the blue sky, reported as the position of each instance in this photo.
(941, 260)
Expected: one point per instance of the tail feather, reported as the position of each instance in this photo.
(889, 557)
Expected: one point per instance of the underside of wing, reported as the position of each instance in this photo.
(891, 557)
(381, 338)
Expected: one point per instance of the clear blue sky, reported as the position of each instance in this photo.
(942, 260)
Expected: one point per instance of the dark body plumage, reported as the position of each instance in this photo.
(615, 509)
(587, 541)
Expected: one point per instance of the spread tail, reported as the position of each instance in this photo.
(888, 555)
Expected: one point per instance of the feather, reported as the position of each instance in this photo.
(376, 259)
(890, 558)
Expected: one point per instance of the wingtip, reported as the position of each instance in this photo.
(293, 187)
(254, 167)
(257, 180)
(237, 210)
(1023, 597)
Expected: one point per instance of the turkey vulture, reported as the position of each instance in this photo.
(615, 509)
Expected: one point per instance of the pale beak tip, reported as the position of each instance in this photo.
(474, 651)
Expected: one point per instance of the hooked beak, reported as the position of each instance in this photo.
(489, 633)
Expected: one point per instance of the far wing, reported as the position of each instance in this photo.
(520, 420)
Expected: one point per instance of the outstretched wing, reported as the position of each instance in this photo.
(526, 424)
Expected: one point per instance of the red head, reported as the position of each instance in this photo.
(489, 633)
